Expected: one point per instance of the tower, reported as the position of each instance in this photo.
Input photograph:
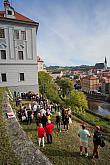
(105, 63)
(9, 10)
(6, 3)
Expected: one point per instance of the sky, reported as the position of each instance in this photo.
(71, 32)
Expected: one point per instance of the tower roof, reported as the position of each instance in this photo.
(105, 60)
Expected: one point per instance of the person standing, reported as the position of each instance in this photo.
(42, 111)
(41, 134)
(66, 120)
(44, 120)
(38, 119)
(49, 128)
(58, 121)
(35, 109)
(29, 116)
(96, 142)
(84, 135)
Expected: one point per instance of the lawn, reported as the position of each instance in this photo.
(93, 119)
(7, 155)
(65, 147)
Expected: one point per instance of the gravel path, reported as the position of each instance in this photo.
(26, 151)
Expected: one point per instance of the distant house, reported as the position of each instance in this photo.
(56, 74)
(90, 83)
(40, 64)
(105, 88)
(18, 68)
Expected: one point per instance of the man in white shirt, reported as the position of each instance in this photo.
(84, 136)
(42, 111)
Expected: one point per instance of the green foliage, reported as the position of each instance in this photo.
(76, 76)
(48, 88)
(78, 99)
(65, 85)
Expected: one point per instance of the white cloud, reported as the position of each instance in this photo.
(70, 32)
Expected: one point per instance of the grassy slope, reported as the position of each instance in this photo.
(65, 148)
(7, 156)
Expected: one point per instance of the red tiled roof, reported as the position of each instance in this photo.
(18, 16)
(2, 13)
(90, 77)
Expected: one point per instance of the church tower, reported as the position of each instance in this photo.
(105, 63)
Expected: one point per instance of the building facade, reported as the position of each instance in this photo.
(89, 83)
(40, 64)
(18, 68)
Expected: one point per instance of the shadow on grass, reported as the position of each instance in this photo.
(64, 153)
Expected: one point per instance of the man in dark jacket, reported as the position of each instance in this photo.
(96, 142)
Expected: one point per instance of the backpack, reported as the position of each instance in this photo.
(102, 144)
(100, 139)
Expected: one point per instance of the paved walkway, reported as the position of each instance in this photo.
(26, 151)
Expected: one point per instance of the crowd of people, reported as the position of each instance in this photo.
(41, 111)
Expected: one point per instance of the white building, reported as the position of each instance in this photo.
(18, 67)
(56, 74)
(40, 64)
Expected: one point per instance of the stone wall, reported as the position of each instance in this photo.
(27, 152)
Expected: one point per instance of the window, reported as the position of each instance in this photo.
(21, 76)
(9, 12)
(3, 54)
(16, 34)
(2, 33)
(23, 35)
(20, 55)
(3, 75)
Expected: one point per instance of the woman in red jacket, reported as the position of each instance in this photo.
(41, 134)
(49, 128)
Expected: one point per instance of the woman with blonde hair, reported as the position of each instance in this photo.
(58, 121)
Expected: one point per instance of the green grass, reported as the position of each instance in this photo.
(65, 147)
(7, 155)
(93, 119)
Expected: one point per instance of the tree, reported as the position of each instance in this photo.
(48, 88)
(65, 85)
(78, 99)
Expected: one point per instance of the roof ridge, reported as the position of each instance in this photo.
(18, 16)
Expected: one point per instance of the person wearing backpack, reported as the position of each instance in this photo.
(97, 141)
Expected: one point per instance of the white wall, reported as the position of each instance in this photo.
(12, 66)
(13, 71)
(28, 46)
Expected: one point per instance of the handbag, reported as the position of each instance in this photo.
(70, 121)
(23, 118)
